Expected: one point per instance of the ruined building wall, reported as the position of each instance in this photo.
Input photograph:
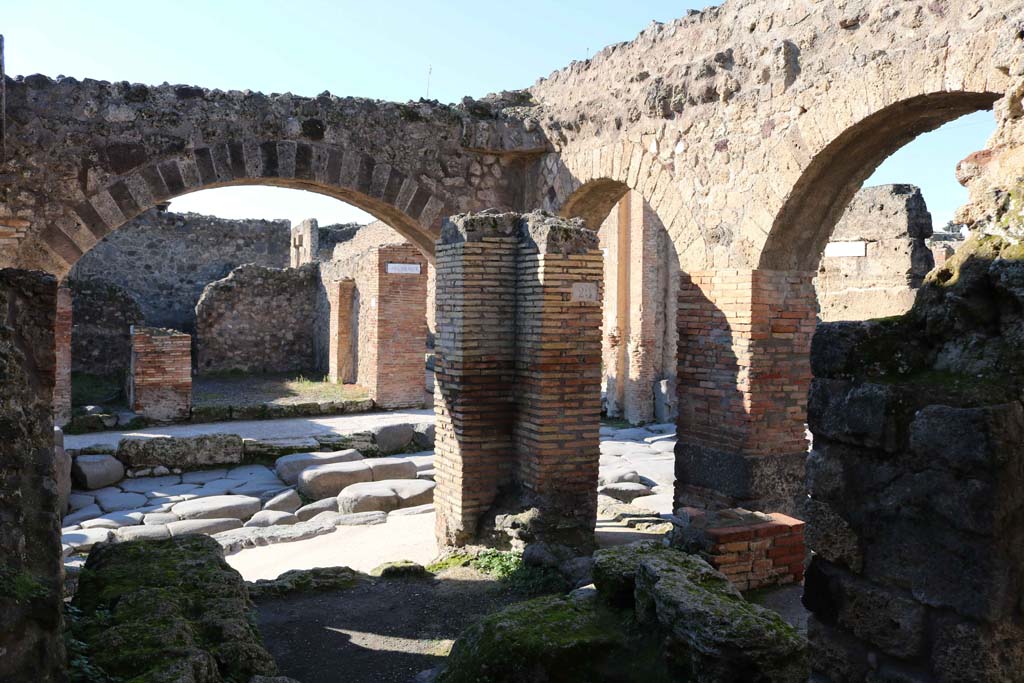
(258, 320)
(165, 259)
(30, 568)
(103, 314)
(877, 257)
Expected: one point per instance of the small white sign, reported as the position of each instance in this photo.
(404, 268)
(833, 249)
(584, 291)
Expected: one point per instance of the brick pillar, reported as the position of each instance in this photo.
(475, 365)
(31, 646)
(401, 327)
(744, 370)
(160, 378)
(341, 360)
(517, 393)
(558, 376)
(62, 342)
(644, 226)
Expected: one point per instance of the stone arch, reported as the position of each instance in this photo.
(819, 197)
(382, 190)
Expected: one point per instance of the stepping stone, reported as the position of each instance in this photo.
(85, 539)
(160, 518)
(617, 475)
(114, 520)
(394, 438)
(391, 468)
(424, 436)
(96, 471)
(77, 501)
(385, 496)
(113, 502)
(147, 484)
(423, 461)
(171, 491)
(217, 507)
(289, 467)
(325, 481)
(668, 446)
(426, 475)
(153, 532)
(271, 518)
(286, 501)
(613, 447)
(307, 512)
(414, 510)
(203, 476)
(625, 492)
(258, 488)
(82, 514)
(202, 526)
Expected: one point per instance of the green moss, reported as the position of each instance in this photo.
(21, 586)
(306, 580)
(449, 562)
(401, 569)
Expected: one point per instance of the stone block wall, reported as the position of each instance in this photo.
(744, 341)
(30, 568)
(103, 316)
(166, 259)
(877, 256)
(258, 320)
(519, 419)
(62, 357)
(160, 380)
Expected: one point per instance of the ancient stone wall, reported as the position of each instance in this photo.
(62, 357)
(877, 256)
(258, 320)
(103, 314)
(30, 551)
(160, 376)
(165, 259)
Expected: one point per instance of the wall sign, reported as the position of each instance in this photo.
(404, 268)
(584, 291)
(834, 249)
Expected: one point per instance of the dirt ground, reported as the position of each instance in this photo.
(240, 390)
(386, 631)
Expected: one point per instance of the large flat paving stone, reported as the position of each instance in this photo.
(113, 502)
(96, 471)
(153, 532)
(271, 518)
(217, 507)
(84, 539)
(289, 467)
(78, 516)
(251, 473)
(307, 512)
(113, 520)
(385, 496)
(325, 481)
(146, 484)
(203, 476)
(285, 501)
(384, 469)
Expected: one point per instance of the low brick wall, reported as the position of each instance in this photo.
(160, 380)
(753, 549)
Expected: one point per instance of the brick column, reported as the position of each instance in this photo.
(401, 327)
(558, 376)
(31, 646)
(475, 366)
(341, 361)
(744, 370)
(62, 342)
(517, 393)
(160, 378)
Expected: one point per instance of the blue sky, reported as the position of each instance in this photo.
(380, 50)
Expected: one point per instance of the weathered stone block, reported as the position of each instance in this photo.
(182, 452)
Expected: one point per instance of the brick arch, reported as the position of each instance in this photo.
(833, 176)
(380, 189)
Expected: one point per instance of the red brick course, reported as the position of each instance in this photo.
(62, 342)
(160, 380)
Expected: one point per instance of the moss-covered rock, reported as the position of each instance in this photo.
(615, 570)
(401, 569)
(554, 639)
(171, 610)
(306, 580)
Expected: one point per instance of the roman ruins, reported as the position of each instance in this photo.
(713, 159)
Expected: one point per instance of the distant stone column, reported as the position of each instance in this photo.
(62, 342)
(744, 372)
(475, 367)
(160, 379)
(558, 376)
